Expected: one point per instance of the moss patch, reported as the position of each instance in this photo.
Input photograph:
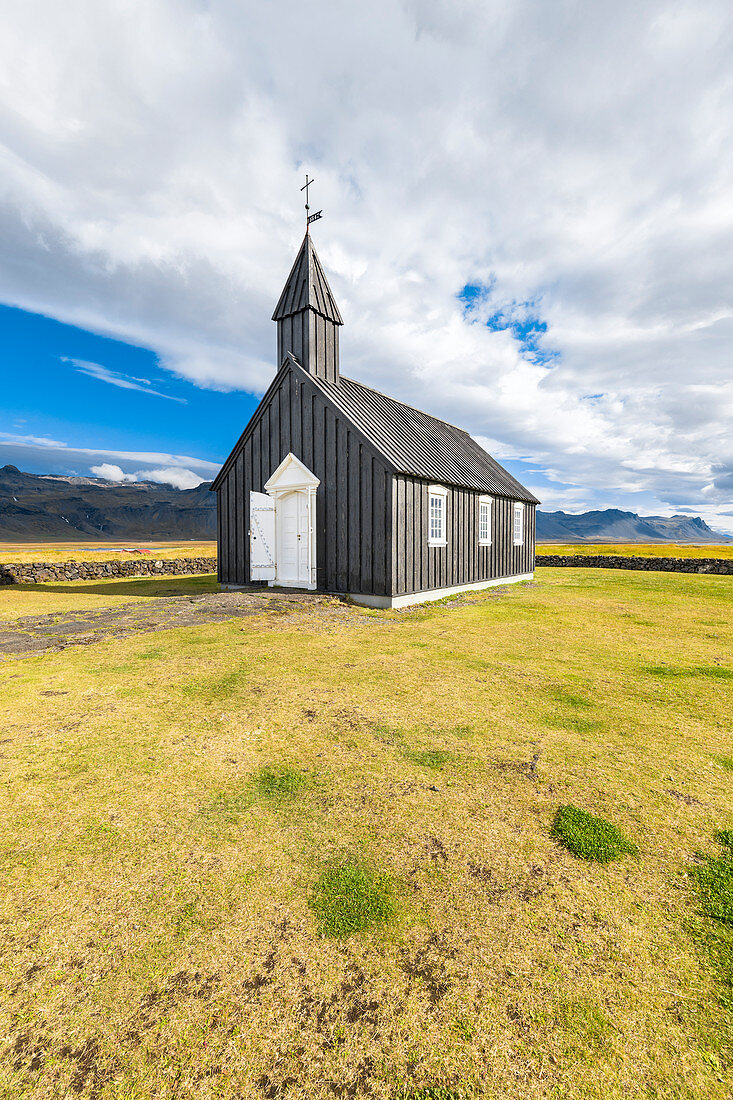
(349, 897)
(278, 781)
(590, 837)
(715, 881)
(429, 758)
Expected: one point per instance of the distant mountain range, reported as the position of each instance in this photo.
(65, 509)
(37, 507)
(612, 525)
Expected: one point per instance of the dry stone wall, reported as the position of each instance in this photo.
(662, 565)
(38, 572)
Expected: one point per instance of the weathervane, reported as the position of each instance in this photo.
(309, 217)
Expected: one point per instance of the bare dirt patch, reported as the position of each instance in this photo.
(36, 634)
(41, 633)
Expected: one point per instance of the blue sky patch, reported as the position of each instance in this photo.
(520, 318)
(66, 383)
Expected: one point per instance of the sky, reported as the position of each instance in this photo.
(528, 228)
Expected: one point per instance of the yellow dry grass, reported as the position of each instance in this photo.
(19, 600)
(25, 552)
(156, 934)
(640, 549)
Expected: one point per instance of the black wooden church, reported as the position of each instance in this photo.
(336, 487)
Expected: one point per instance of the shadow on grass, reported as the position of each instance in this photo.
(274, 784)
(712, 672)
(127, 586)
(571, 711)
(429, 758)
(216, 689)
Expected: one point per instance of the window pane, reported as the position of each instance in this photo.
(437, 505)
(484, 514)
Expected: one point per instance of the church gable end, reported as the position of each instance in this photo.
(353, 500)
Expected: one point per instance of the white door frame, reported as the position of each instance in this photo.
(292, 476)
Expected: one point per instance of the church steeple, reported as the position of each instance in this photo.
(307, 317)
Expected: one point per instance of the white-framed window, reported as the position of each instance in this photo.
(484, 521)
(437, 515)
(518, 513)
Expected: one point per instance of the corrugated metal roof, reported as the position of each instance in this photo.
(418, 444)
(307, 288)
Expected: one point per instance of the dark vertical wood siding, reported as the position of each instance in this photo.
(418, 567)
(313, 340)
(353, 502)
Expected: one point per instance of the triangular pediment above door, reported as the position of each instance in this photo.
(291, 474)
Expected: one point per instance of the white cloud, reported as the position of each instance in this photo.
(576, 157)
(13, 439)
(172, 475)
(110, 472)
(115, 378)
(176, 476)
(54, 456)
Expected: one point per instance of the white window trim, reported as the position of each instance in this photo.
(489, 501)
(517, 508)
(438, 491)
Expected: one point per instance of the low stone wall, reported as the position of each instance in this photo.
(661, 565)
(39, 571)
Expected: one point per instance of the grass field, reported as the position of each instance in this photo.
(120, 551)
(17, 601)
(321, 858)
(639, 549)
(103, 551)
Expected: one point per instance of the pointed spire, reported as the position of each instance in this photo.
(307, 317)
(307, 288)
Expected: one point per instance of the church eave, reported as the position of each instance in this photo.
(330, 315)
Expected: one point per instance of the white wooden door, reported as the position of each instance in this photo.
(261, 537)
(293, 566)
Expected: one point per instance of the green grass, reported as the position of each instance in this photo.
(348, 898)
(429, 758)
(431, 1092)
(18, 600)
(569, 698)
(714, 880)
(271, 783)
(713, 933)
(279, 782)
(715, 887)
(162, 849)
(216, 688)
(585, 1021)
(713, 672)
(590, 837)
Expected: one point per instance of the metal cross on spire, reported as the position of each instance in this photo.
(309, 217)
